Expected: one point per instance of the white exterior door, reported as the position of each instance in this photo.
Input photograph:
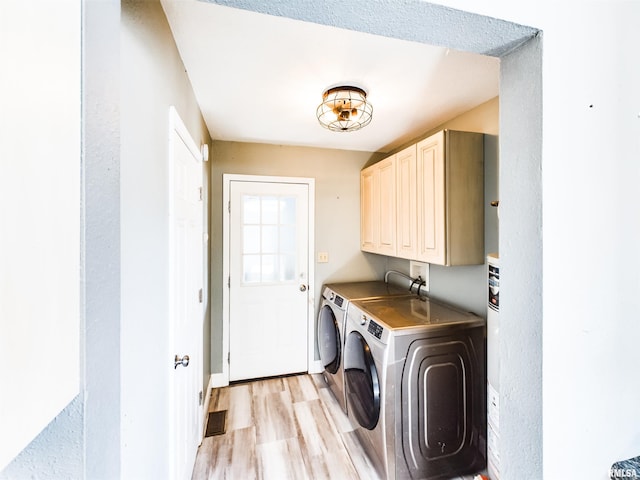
(186, 298)
(269, 279)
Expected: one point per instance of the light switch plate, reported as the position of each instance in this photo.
(323, 257)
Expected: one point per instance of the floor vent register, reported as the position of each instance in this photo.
(216, 423)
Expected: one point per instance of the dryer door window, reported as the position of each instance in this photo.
(361, 379)
(329, 341)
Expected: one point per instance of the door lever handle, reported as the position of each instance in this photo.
(184, 361)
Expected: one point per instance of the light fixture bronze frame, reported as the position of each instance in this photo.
(344, 109)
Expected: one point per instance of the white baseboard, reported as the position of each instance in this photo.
(218, 380)
(207, 396)
(316, 367)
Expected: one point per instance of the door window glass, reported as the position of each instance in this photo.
(251, 209)
(251, 239)
(269, 239)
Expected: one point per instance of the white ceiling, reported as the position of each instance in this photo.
(260, 78)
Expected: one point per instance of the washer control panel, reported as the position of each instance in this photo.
(375, 329)
(335, 299)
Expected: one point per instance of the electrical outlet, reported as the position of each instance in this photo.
(323, 257)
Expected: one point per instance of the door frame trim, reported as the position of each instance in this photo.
(227, 178)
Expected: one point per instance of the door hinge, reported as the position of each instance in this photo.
(229, 282)
(200, 295)
(201, 194)
(200, 398)
(229, 358)
(229, 206)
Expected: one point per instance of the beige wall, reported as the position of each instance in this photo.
(483, 118)
(337, 213)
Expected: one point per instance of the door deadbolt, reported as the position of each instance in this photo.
(184, 361)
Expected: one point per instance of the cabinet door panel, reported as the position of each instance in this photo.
(387, 206)
(367, 210)
(431, 201)
(407, 236)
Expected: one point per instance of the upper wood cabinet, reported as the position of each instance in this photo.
(450, 186)
(378, 207)
(407, 202)
(367, 207)
(427, 201)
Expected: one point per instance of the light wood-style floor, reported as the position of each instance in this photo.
(282, 428)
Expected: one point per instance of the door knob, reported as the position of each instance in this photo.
(184, 361)
(303, 288)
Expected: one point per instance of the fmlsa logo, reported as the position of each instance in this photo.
(623, 473)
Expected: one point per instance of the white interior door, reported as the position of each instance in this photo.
(186, 297)
(268, 286)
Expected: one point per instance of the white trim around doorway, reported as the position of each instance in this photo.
(314, 366)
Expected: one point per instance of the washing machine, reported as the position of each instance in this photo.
(330, 326)
(414, 372)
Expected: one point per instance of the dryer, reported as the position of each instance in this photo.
(330, 326)
(415, 386)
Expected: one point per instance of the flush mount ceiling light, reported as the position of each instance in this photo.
(344, 109)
